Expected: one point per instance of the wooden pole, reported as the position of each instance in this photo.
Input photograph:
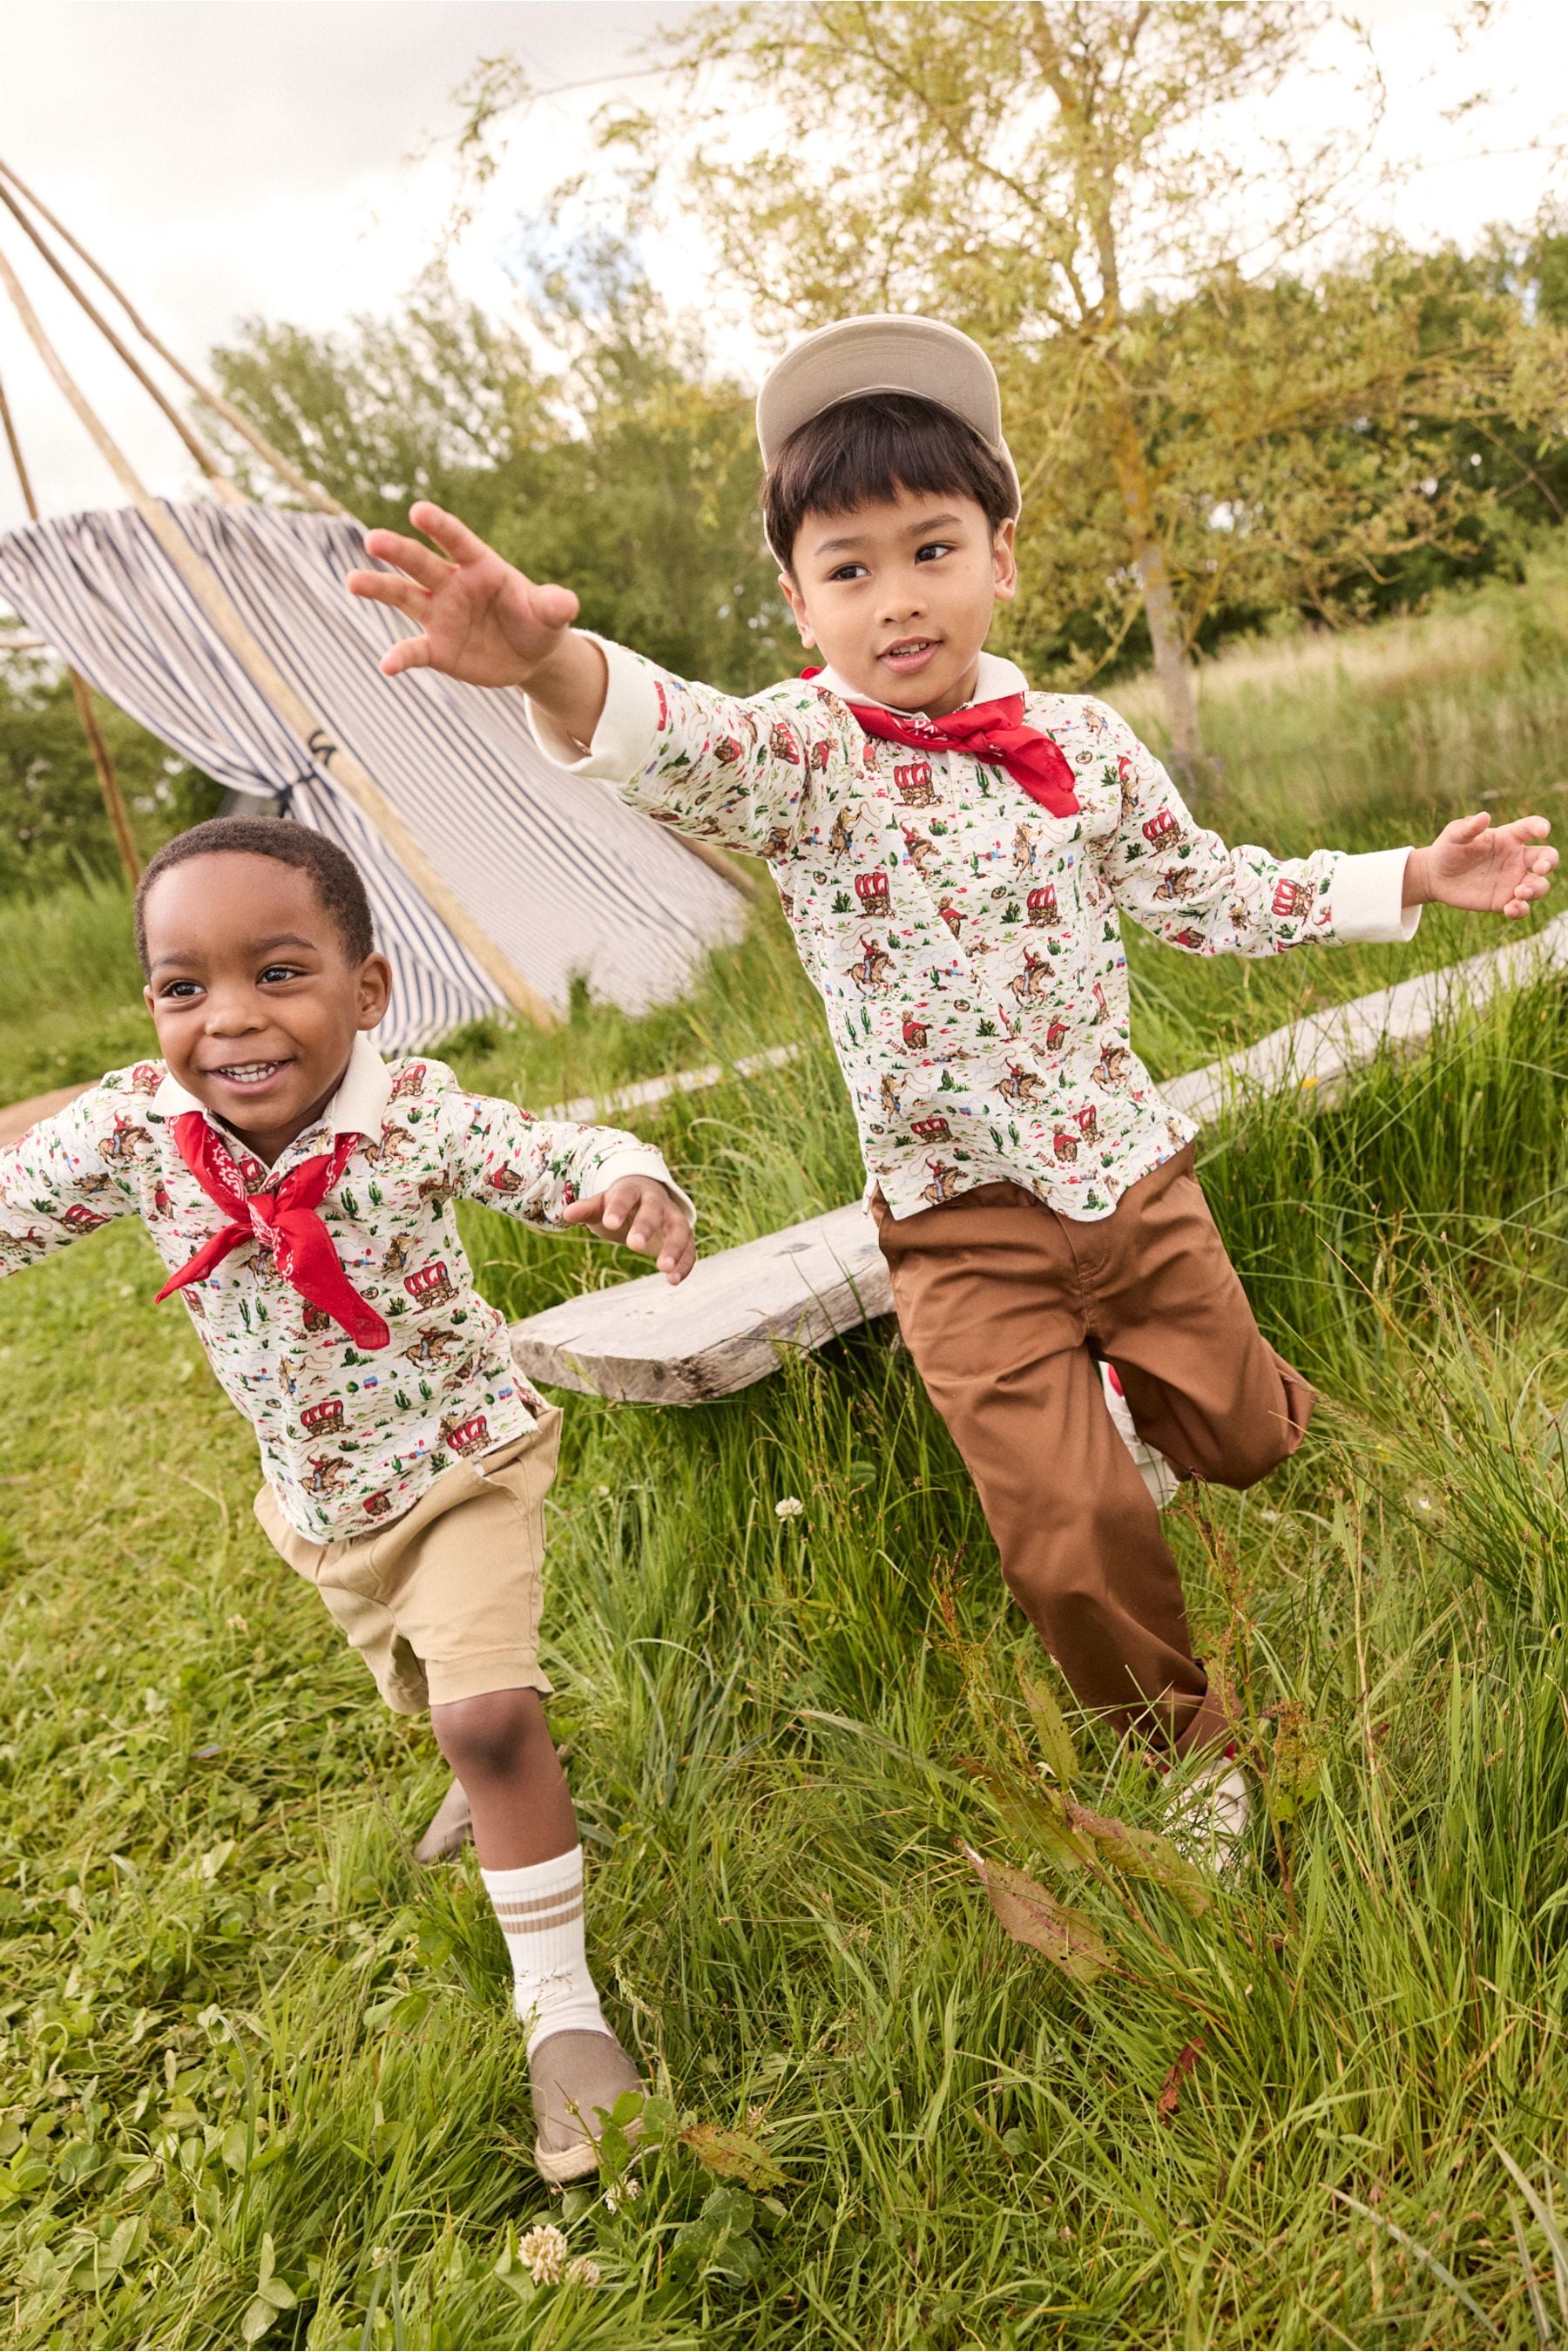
(197, 447)
(242, 425)
(108, 781)
(344, 770)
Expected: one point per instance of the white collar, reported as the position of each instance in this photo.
(363, 1092)
(995, 678)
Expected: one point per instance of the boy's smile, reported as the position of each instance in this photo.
(254, 998)
(899, 595)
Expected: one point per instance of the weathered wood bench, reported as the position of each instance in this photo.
(742, 1310)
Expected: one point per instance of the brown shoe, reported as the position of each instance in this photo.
(575, 2075)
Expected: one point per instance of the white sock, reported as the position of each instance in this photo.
(540, 1909)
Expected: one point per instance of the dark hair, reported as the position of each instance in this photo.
(863, 451)
(340, 886)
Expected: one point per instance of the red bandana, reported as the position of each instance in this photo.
(282, 1220)
(994, 733)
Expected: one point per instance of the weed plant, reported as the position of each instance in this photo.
(257, 2080)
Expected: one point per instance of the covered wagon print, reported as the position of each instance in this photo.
(346, 1434)
(965, 941)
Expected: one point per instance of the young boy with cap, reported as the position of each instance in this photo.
(299, 1190)
(954, 850)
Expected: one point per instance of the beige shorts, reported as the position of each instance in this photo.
(445, 1602)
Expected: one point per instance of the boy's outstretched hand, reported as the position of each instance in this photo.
(1502, 870)
(481, 620)
(637, 1211)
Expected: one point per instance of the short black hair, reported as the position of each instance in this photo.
(863, 451)
(340, 886)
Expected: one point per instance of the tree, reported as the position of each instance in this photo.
(587, 440)
(1085, 186)
(1331, 448)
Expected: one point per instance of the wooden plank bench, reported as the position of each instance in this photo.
(739, 1312)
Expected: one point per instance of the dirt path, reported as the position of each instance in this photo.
(16, 1117)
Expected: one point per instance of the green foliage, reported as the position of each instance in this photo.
(624, 467)
(1234, 443)
(53, 828)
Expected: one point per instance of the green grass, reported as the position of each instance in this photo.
(244, 2037)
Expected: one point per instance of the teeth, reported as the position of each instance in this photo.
(246, 1070)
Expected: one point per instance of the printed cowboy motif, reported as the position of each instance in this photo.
(346, 1432)
(964, 933)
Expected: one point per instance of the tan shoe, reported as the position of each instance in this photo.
(576, 2079)
(449, 1827)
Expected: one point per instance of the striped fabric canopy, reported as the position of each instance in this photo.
(558, 873)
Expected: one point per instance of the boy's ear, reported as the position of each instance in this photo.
(374, 990)
(797, 604)
(1004, 561)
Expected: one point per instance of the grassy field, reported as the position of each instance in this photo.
(257, 2080)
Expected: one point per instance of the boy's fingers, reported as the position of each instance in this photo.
(390, 588)
(455, 538)
(584, 1213)
(412, 653)
(411, 555)
(555, 608)
(1466, 828)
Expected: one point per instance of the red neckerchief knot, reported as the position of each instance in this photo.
(281, 1218)
(994, 733)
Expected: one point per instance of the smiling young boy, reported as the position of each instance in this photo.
(955, 850)
(299, 1190)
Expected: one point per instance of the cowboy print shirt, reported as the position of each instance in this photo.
(349, 1438)
(966, 943)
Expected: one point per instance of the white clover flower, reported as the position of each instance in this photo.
(542, 2252)
(622, 2193)
(790, 1508)
(582, 2271)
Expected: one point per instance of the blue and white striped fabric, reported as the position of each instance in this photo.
(565, 878)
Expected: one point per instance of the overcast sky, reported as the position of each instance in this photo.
(229, 157)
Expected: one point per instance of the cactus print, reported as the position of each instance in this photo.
(965, 943)
(347, 1437)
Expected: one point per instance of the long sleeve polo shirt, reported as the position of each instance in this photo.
(350, 1438)
(965, 943)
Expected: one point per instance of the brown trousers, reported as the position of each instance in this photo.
(1007, 1309)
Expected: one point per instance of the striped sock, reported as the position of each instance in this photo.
(541, 1913)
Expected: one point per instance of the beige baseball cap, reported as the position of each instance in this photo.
(886, 353)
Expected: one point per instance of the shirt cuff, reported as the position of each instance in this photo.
(643, 1162)
(628, 730)
(1367, 897)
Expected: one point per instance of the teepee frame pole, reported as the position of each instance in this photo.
(119, 815)
(264, 674)
(308, 491)
(203, 457)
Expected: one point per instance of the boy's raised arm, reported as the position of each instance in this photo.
(687, 755)
(1181, 881)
